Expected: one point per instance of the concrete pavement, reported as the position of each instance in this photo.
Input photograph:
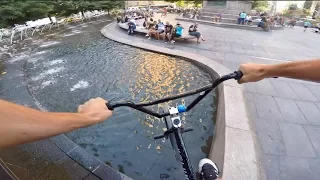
(285, 112)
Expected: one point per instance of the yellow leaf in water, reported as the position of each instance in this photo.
(149, 146)
(200, 120)
(158, 147)
(3, 72)
(164, 129)
(148, 124)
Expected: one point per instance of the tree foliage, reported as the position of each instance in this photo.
(182, 3)
(260, 5)
(19, 11)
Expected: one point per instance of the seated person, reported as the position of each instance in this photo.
(159, 29)
(193, 31)
(132, 26)
(126, 19)
(168, 30)
(248, 20)
(151, 23)
(217, 18)
(178, 29)
(152, 28)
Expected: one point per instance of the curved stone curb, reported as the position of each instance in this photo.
(233, 148)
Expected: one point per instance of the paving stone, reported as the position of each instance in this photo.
(37, 156)
(250, 87)
(258, 48)
(314, 166)
(292, 168)
(237, 51)
(275, 56)
(266, 88)
(260, 60)
(215, 55)
(244, 59)
(231, 57)
(64, 143)
(303, 92)
(314, 134)
(260, 53)
(267, 107)
(296, 140)
(283, 89)
(270, 136)
(271, 164)
(65, 168)
(248, 96)
(290, 111)
(236, 45)
(82, 157)
(247, 47)
(315, 89)
(251, 109)
(231, 65)
(225, 49)
(310, 111)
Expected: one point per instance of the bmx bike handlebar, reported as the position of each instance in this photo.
(203, 92)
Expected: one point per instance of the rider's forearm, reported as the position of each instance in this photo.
(306, 70)
(20, 124)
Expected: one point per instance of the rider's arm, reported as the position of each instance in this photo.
(305, 70)
(19, 124)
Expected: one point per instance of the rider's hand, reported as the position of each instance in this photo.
(252, 72)
(95, 109)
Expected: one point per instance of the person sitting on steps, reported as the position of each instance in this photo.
(168, 32)
(152, 29)
(159, 29)
(178, 31)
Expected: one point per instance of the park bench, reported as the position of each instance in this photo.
(143, 30)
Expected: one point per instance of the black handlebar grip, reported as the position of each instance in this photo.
(109, 106)
(239, 75)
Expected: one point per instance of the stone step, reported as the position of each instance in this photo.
(216, 14)
(225, 25)
(223, 20)
(222, 11)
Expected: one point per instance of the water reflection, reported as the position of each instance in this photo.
(118, 72)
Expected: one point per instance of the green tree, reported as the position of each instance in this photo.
(260, 5)
(19, 11)
(196, 3)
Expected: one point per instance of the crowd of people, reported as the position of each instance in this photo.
(158, 29)
(168, 32)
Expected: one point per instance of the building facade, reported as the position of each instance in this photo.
(228, 6)
(143, 3)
